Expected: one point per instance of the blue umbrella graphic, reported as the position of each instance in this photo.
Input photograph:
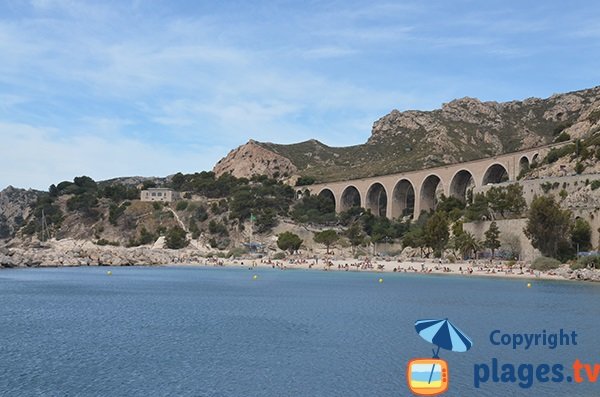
(443, 334)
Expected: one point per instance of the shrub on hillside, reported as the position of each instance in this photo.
(175, 238)
(563, 137)
(237, 252)
(181, 205)
(278, 255)
(104, 241)
(545, 263)
(587, 261)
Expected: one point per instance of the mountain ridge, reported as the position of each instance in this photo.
(461, 130)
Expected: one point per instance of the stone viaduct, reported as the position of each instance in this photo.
(409, 193)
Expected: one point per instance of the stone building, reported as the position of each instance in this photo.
(159, 194)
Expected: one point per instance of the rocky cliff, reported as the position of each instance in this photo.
(462, 130)
(15, 208)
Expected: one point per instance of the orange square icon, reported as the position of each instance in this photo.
(427, 376)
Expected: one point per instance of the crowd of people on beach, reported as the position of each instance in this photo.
(410, 265)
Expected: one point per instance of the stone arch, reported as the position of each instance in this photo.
(461, 182)
(350, 198)
(495, 173)
(299, 194)
(328, 194)
(376, 199)
(523, 164)
(403, 199)
(535, 158)
(430, 189)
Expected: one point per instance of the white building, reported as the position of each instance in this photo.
(159, 194)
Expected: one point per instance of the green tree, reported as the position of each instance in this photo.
(177, 181)
(478, 210)
(355, 235)
(467, 244)
(289, 241)
(85, 203)
(455, 241)
(314, 209)
(219, 228)
(53, 191)
(506, 200)
(200, 214)
(115, 211)
(457, 228)
(436, 233)
(305, 180)
(451, 205)
(266, 221)
(118, 192)
(415, 239)
(548, 226)
(491, 238)
(581, 235)
(181, 205)
(194, 229)
(327, 238)
(176, 238)
(148, 184)
(85, 184)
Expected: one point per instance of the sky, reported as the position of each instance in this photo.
(151, 88)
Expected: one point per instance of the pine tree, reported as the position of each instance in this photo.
(491, 238)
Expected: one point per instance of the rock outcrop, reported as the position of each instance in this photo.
(74, 252)
(15, 208)
(252, 159)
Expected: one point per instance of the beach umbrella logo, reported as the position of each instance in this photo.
(429, 376)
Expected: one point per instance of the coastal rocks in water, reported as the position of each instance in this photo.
(7, 261)
(585, 274)
(92, 255)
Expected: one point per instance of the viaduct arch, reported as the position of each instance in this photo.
(410, 193)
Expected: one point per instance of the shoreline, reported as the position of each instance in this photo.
(77, 253)
(402, 267)
(476, 274)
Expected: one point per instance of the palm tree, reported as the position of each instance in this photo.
(469, 244)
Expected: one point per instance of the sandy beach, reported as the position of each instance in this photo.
(479, 268)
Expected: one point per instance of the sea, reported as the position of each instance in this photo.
(234, 331)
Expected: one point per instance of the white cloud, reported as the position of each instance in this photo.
(145, 77)
(328, 52)
(37, 157)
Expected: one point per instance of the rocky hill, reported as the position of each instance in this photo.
(253, 159)
(15, 209)
(462, 130)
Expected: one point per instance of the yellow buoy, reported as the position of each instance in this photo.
(254, 277)
(381, 280)
(528, 285)
(109, 273)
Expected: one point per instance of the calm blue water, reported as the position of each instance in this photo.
(216, 332)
